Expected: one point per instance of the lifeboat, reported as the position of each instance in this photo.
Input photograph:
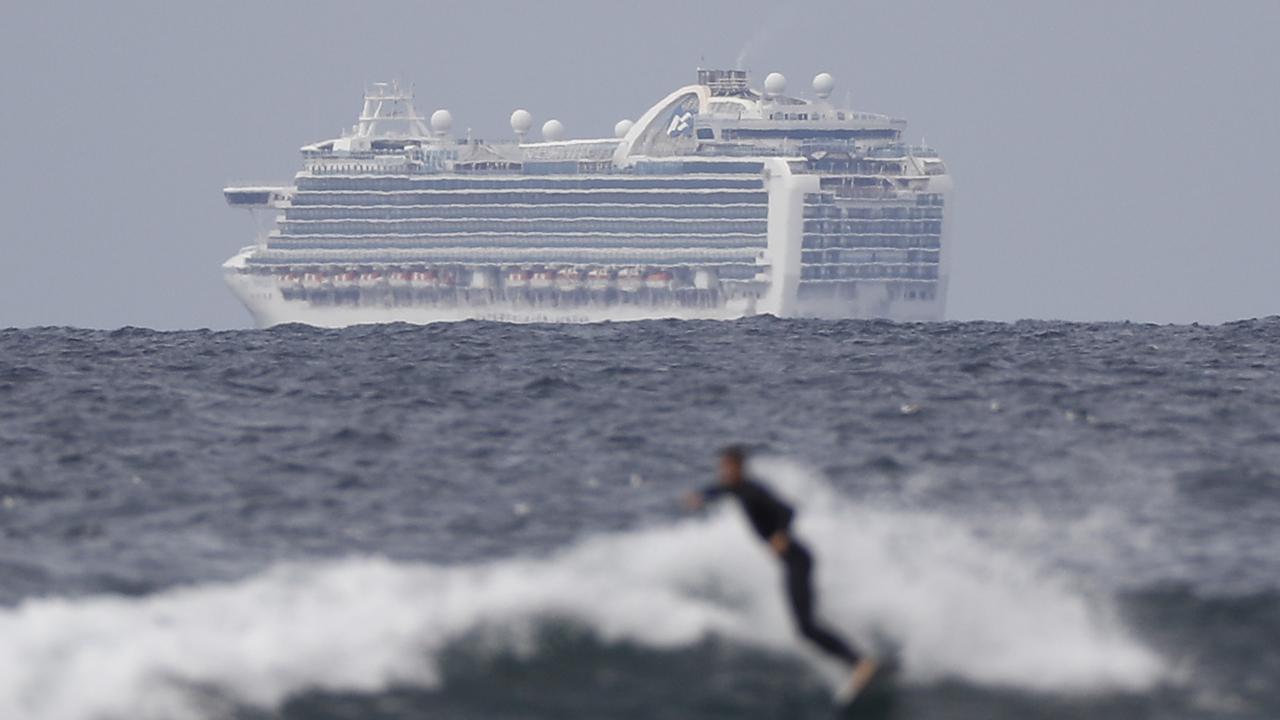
(314, 280)
(424, 279)
(399, 279)
(660, 280)
(371, 278)
(542, 280)
(289, 280)
(345, 280)
(630, 280)
(599, 279)
(517, 279)
(568, 280)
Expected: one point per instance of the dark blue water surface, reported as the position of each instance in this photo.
(472, 520)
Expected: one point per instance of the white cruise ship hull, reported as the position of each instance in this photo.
(719, 202)
(267, 304)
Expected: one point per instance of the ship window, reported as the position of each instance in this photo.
(705, 134)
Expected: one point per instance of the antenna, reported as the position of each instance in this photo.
(388, 112)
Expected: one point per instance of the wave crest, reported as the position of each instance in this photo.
(953, 607)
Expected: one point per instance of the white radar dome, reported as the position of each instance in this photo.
(823, 84)
(622, 128)
(552, 130)
(521, 121)
(775, 83)
(441, 121)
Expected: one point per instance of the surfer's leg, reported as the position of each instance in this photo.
(800, 591)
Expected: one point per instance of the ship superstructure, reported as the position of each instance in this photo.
(720, 201)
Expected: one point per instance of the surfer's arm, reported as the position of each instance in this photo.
(696, 499)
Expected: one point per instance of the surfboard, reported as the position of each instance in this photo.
(875, 697)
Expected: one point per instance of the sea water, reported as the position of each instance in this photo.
(481, 520)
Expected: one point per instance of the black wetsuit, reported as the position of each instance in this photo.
(769, 515)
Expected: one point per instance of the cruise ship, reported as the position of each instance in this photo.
(722, 200)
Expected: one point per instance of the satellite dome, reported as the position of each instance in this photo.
(521, 121)
(552, 130)
(441, 121)
(775, 83)
(823, 84)
(622, 128)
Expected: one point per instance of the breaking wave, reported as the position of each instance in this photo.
(953, 607)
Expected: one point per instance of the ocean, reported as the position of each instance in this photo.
(482, 520)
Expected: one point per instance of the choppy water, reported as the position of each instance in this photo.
(1047, 520)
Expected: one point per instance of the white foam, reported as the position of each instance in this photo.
(954, 606)
(957, 606)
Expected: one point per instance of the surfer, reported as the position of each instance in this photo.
(771, 519)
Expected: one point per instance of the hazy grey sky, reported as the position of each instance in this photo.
(1112, 160)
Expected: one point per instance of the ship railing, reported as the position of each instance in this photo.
(272, 184)
(864, 193)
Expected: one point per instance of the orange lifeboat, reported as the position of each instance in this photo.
(568, 280)
(314, 280)
(345, 280)
(517, 279)
(424, 279)
(399, 279)
(542, 280)
(599, 279)
(660, 280)
(630, 280)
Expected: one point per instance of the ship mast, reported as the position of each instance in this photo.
(388, 112)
